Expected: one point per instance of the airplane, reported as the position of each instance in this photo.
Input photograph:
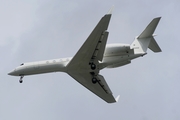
(93, 56)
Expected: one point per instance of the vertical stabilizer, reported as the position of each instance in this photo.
(146, 39)
(149, 30)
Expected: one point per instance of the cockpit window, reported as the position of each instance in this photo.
(22, 64)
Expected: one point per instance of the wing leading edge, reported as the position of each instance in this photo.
(92, 51)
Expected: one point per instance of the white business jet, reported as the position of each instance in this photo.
(93, 56)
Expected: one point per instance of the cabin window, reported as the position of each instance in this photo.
(22, 64)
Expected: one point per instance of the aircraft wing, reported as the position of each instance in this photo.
(101, 88)
(92, 51)
(94, 46)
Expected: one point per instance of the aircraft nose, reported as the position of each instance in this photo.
(12, 73)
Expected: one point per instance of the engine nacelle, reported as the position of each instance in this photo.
(117, 49)
(118, 64)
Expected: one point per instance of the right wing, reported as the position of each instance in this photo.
(101, 88)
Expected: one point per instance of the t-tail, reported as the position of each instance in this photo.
(146, 39)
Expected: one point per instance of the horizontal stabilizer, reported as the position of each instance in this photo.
(149, 30)
(154, 46)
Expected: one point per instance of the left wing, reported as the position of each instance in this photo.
(101, 88)
(93, 48)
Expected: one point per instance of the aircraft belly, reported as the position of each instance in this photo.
(42, 68)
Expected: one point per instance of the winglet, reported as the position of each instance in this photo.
(117, 98)
(110, 11)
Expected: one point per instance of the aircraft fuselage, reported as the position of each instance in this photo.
(115, 55)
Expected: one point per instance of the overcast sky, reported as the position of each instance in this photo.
(33, 30)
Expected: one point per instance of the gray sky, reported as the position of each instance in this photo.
(33, 30)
